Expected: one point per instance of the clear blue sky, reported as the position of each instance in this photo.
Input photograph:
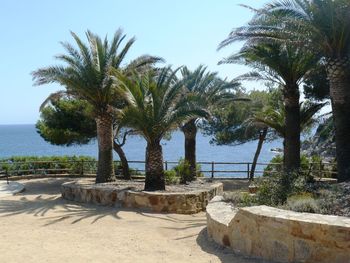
(183, 32)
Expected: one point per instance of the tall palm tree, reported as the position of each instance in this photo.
(87, 75)
(156, 105)
(273, 119)
(322, 26)
(210, 91)
(286, 66)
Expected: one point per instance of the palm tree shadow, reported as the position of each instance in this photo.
(44, 207)
(226, 255)
(77, 212)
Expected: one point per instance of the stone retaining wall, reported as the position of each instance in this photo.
(182, 203)
(279, 235)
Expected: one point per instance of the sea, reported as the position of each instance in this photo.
(23, 140)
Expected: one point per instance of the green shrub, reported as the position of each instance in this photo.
(271, 190)
(240, 199)
(303, 203)
(171, 177)
(183, 171)
(310, 167)
(21, 165)
(274, 189)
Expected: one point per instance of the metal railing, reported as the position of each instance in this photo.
(239, 170)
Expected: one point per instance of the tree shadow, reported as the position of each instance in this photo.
(226, 255)
(41, 198)
(40, 207)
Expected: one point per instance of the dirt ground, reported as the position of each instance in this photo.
(39, 226)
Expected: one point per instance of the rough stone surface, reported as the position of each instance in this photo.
(194, 200)
(279, 235)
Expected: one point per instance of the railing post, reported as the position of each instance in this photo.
(166, 165)
(248, 170)
(82, 168)
(212, 169)
(7, 176)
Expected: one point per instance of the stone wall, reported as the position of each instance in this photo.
(182, 203)
(279, 235)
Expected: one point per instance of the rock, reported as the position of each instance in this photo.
(279, 235)
(191, 201)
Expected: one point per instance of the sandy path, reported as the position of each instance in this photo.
(39, 226)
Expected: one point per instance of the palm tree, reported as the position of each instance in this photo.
(87, 75)
(285, 66)
(156, 106)
(322, 26)
(210, 90)
(270, 118)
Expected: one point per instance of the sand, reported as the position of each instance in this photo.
(39, 226)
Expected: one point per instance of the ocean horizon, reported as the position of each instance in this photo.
(23, 140)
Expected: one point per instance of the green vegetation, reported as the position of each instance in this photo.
(156, 106)
(287, 45)
(68, 121)
(286, 66)
(22, 165)
(210, 91)
(312, 25)
(90, 73)
(182, 173)
(300, 197)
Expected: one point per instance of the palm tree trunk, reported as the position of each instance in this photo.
(190, 132)
(105, 169)
(339, 77)
(292, 129)
(154, 167)
(123, 160)
(262, 136)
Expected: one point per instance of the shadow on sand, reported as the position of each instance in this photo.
(42, 198)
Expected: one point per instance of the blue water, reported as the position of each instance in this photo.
(24, 140)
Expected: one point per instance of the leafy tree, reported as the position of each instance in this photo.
(90, 74)
(322, 26)
(210, 91)
(69, 122)
(260, 119)
(233, 124)
(156, 106)
(228, 125)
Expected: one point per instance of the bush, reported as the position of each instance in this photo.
(271, 190)
(171, 177)
(183, 171)
(274, 189)
(303, 203)
(310, 167)
(21, 165)
(240, 199)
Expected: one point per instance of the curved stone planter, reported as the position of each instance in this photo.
(279, 235)
(170, 202)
